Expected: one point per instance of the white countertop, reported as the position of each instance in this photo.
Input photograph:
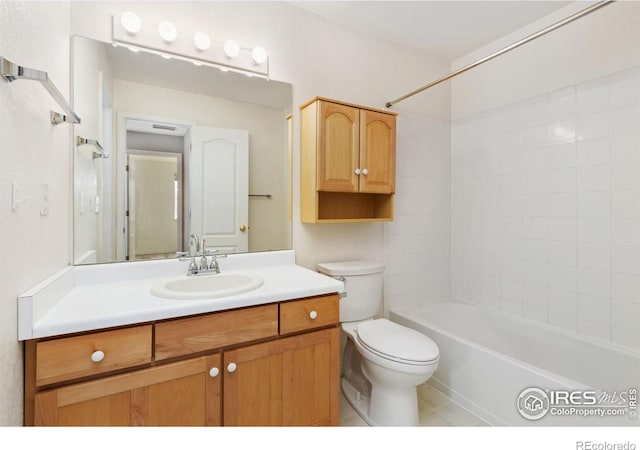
(84, 298)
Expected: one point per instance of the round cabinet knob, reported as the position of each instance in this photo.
(313, 315)
(231, 367)
(214, 372)
(365, 171)
(243, 228)
(97, 356)
(357, 171)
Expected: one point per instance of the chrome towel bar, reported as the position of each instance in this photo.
(99, 153)
(12, 72)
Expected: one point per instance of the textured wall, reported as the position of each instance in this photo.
(31, 151)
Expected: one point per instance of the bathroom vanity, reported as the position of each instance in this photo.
(110, 353)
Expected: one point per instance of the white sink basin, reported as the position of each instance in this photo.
(207, 286)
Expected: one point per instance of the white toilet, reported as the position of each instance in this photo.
(383, 362)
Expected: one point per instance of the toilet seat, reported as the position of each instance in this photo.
(396, 343)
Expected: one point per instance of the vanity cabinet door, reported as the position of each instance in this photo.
(186, 393)
(292, 382)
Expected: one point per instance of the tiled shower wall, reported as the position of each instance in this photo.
(417, 242)
(546, 208)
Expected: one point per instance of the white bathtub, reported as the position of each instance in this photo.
(487, 358)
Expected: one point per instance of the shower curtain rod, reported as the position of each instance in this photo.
(529, 38)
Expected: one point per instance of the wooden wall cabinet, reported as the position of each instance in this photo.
(281, 369)
(348, 162)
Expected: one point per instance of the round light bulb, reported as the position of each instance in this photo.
(167, 31)
(259, 55)
(202, 41)
(131, 22)
(231, 49)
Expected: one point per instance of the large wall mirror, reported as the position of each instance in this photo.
(167, 149)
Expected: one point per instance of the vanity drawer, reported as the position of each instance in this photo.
(309, 313)
(89, 354)
(197, 334)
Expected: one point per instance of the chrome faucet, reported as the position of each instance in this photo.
(193, 267)
(214, 267)
(203, 267)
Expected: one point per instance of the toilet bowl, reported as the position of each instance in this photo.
(383, 362)
(394, 360)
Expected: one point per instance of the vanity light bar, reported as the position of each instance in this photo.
(182, 47)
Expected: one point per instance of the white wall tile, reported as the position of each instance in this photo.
(563, 253)
(593, 126)
(594, 309)
(625, 204)
(594, 178)
(625, 315)
(625, 148)
(563, 277)
(534, 137)
(565, 221)
(625, 175)
(535, 228)
(536, 295)
(563, 132)
(563, 307)
(594, 282)
(563, 229)
(535, 272)
(625, 259)
(594, 204)
(562, 180)
(511, 290)
(593, 153)
(625, 287)
(594, 256)
(562, 156)
(595, 231)
(625, 231)
(625, 120)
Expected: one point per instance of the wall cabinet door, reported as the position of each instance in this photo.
(338, 147)
(290, 381)
(186, 393)
(377, 152)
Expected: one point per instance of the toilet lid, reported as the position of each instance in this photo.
(396, 342)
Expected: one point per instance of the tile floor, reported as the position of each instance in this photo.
(436, 410)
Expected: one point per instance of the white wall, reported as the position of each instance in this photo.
(320, 58)
(546, 177)
(32, 150)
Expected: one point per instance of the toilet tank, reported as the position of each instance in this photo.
(362, 297)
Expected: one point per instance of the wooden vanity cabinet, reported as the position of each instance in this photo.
(290, 382)
(178, 394)
(348, 162)
(277, 365)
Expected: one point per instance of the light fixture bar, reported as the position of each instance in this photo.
(182, 47)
